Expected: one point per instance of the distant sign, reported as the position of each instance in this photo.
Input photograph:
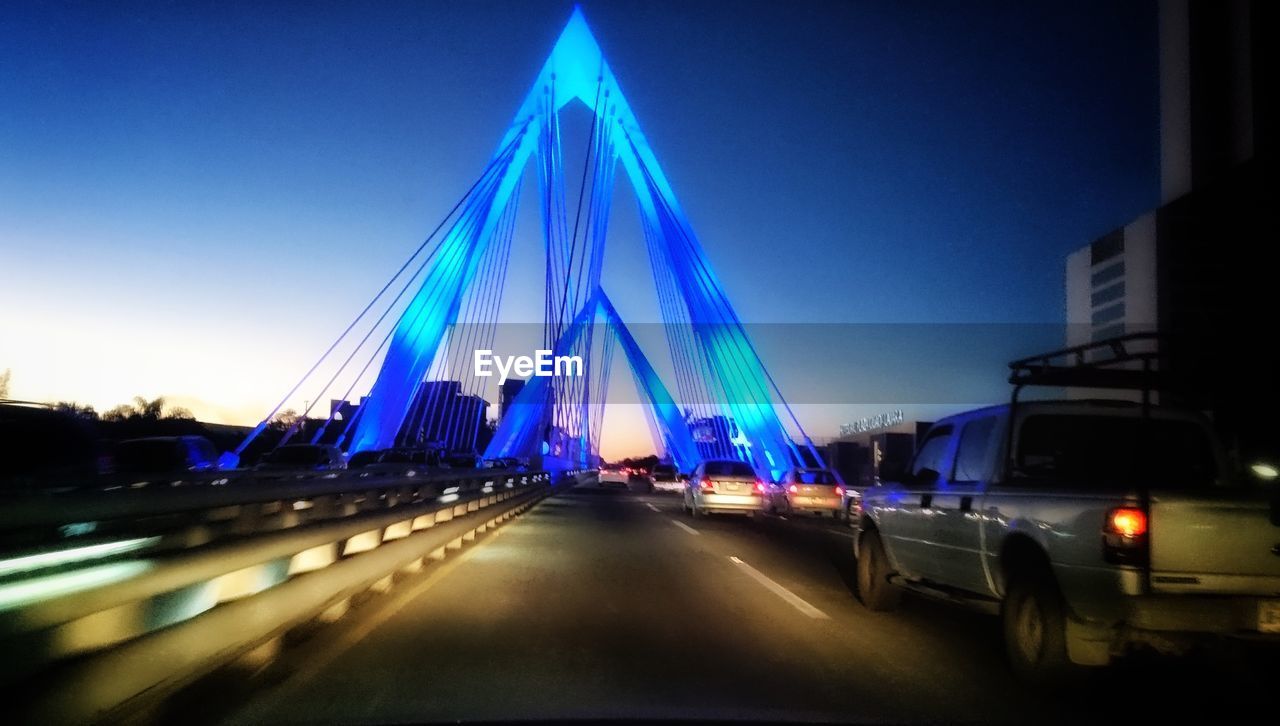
(872, 423)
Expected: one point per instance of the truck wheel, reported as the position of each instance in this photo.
(1035, 630)
(874, 588)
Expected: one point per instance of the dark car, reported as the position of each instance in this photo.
(462, 460)
(362, 459)
(165, 455)
(312, 457)
(666, 478)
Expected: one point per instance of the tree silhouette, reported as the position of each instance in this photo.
(76, 409)
(285, 420)
(152, 409)
(143, 409)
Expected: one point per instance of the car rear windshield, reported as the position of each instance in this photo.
(729, 468)
(664, 470)
(815, 477)
(1092, 451)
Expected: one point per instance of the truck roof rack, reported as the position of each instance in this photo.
(1122, 362)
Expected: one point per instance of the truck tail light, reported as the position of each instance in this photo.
(1127, 522)
(1124, 536)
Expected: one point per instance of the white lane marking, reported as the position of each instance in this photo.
(850, 535)
(685, 527)
(650, 505)
(782, 517)
(792, 599)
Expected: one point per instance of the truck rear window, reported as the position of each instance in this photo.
(1091, 451)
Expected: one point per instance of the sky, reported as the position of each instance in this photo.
(196, 197)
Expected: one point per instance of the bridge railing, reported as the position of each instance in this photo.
(205, 574)
(207, 505)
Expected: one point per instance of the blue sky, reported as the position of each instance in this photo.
(202, 194)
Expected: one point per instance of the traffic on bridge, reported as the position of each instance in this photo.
(889, 438)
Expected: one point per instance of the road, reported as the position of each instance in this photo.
(611, 604)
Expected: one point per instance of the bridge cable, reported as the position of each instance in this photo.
(262, 425)
(504, 154)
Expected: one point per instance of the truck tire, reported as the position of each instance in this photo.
(1034, 619)
(874, 589)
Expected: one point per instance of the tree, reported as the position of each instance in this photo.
(285, 420)
(76, 409)
(151, 410)
(123, 412)
(143, 409)
(4, 383)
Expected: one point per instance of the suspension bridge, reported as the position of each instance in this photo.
(411, 345)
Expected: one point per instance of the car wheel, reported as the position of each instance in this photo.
(874, 588)
(1035, 630)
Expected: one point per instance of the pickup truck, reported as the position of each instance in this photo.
(1090, 526)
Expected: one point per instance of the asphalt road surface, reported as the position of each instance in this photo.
(604, 603)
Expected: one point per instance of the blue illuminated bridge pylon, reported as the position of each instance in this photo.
(450, 292)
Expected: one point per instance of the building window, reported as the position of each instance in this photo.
(1114, 272)
(1107, 247)
(1110, 294)
(1109, 314)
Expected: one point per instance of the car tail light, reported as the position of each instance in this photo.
(759, 486)
(793, 489)
(1124, 536)
(707, 485)
(839, 491)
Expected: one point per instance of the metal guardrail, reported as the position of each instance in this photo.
(39, 518)
(94, 635)
(196, 511)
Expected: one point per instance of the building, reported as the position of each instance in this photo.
(443, 416)
(863, 447)
(1111, 284)
(1197, 268)
(507, 393)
